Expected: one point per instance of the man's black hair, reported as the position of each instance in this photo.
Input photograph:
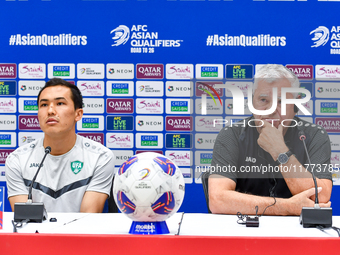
(76, 96)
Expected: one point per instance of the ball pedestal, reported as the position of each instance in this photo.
(149, 228)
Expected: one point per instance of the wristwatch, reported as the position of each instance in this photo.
(284, 157)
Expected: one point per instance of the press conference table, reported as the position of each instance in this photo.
(82, 233)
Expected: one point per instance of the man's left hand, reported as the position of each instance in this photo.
(271, 140)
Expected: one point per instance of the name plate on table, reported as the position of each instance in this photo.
(2, 205)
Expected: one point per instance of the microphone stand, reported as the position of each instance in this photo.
(29, 211)
(312, 217)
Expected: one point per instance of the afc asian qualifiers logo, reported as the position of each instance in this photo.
(121, 35)
(321, 36)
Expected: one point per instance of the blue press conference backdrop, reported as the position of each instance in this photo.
(134, 60)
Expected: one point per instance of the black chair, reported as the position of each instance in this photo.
(112, 207)
(204, 178)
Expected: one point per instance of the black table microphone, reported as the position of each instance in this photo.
(29, 211)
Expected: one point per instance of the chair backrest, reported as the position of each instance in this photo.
(204, 178)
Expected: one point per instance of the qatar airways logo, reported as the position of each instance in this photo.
(238, 100)
(29, 122)
(119, 105)
(150, 71)
(4, 154)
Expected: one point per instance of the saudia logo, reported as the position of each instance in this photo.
(114, 138)
(238, 100)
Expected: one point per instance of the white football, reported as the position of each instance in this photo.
(148, 187)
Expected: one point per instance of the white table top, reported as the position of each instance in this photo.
(194, 224)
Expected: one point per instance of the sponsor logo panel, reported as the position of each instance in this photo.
(327, 72)
(331, 125)
(91, 88)
(327, 107)
(335, 142)
(30, 88)
(8, 104)
(141, 151)
(242, 85)
(229, 107)
(208, 88)
(120, 71)
(120, 88)
(309, 106)
(149, 106)
(187, 174)
(303, 72)
(28, 105)
(178, 141)
(178, 106)
(239, 71)
(119, 123)
(91, 123)
(209, 123)
(149, 123)
(212, 107)
(308, 86)
(205, 141)
(28, 137)
(149, 88)
(203, 158)
(8, 88)
(3, 155)
(64, 71)
(119, 105)
(97, 137)
(198, 173)
(8, 71)
(308, 119)
(93, 105)
(150, 71)
(179, 71)
(29, 122)
(119, 140)
(209, 71)
(335, 159)
(90, 71)
(2, 174)
(8, 122)
(148, 141)
(178, 123)
(327, 89)
(8, 139)
(180, 157)
(122, 155)
(32, 71)
(178, 89)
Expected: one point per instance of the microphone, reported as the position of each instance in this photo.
(29, 211)
(314, 216)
